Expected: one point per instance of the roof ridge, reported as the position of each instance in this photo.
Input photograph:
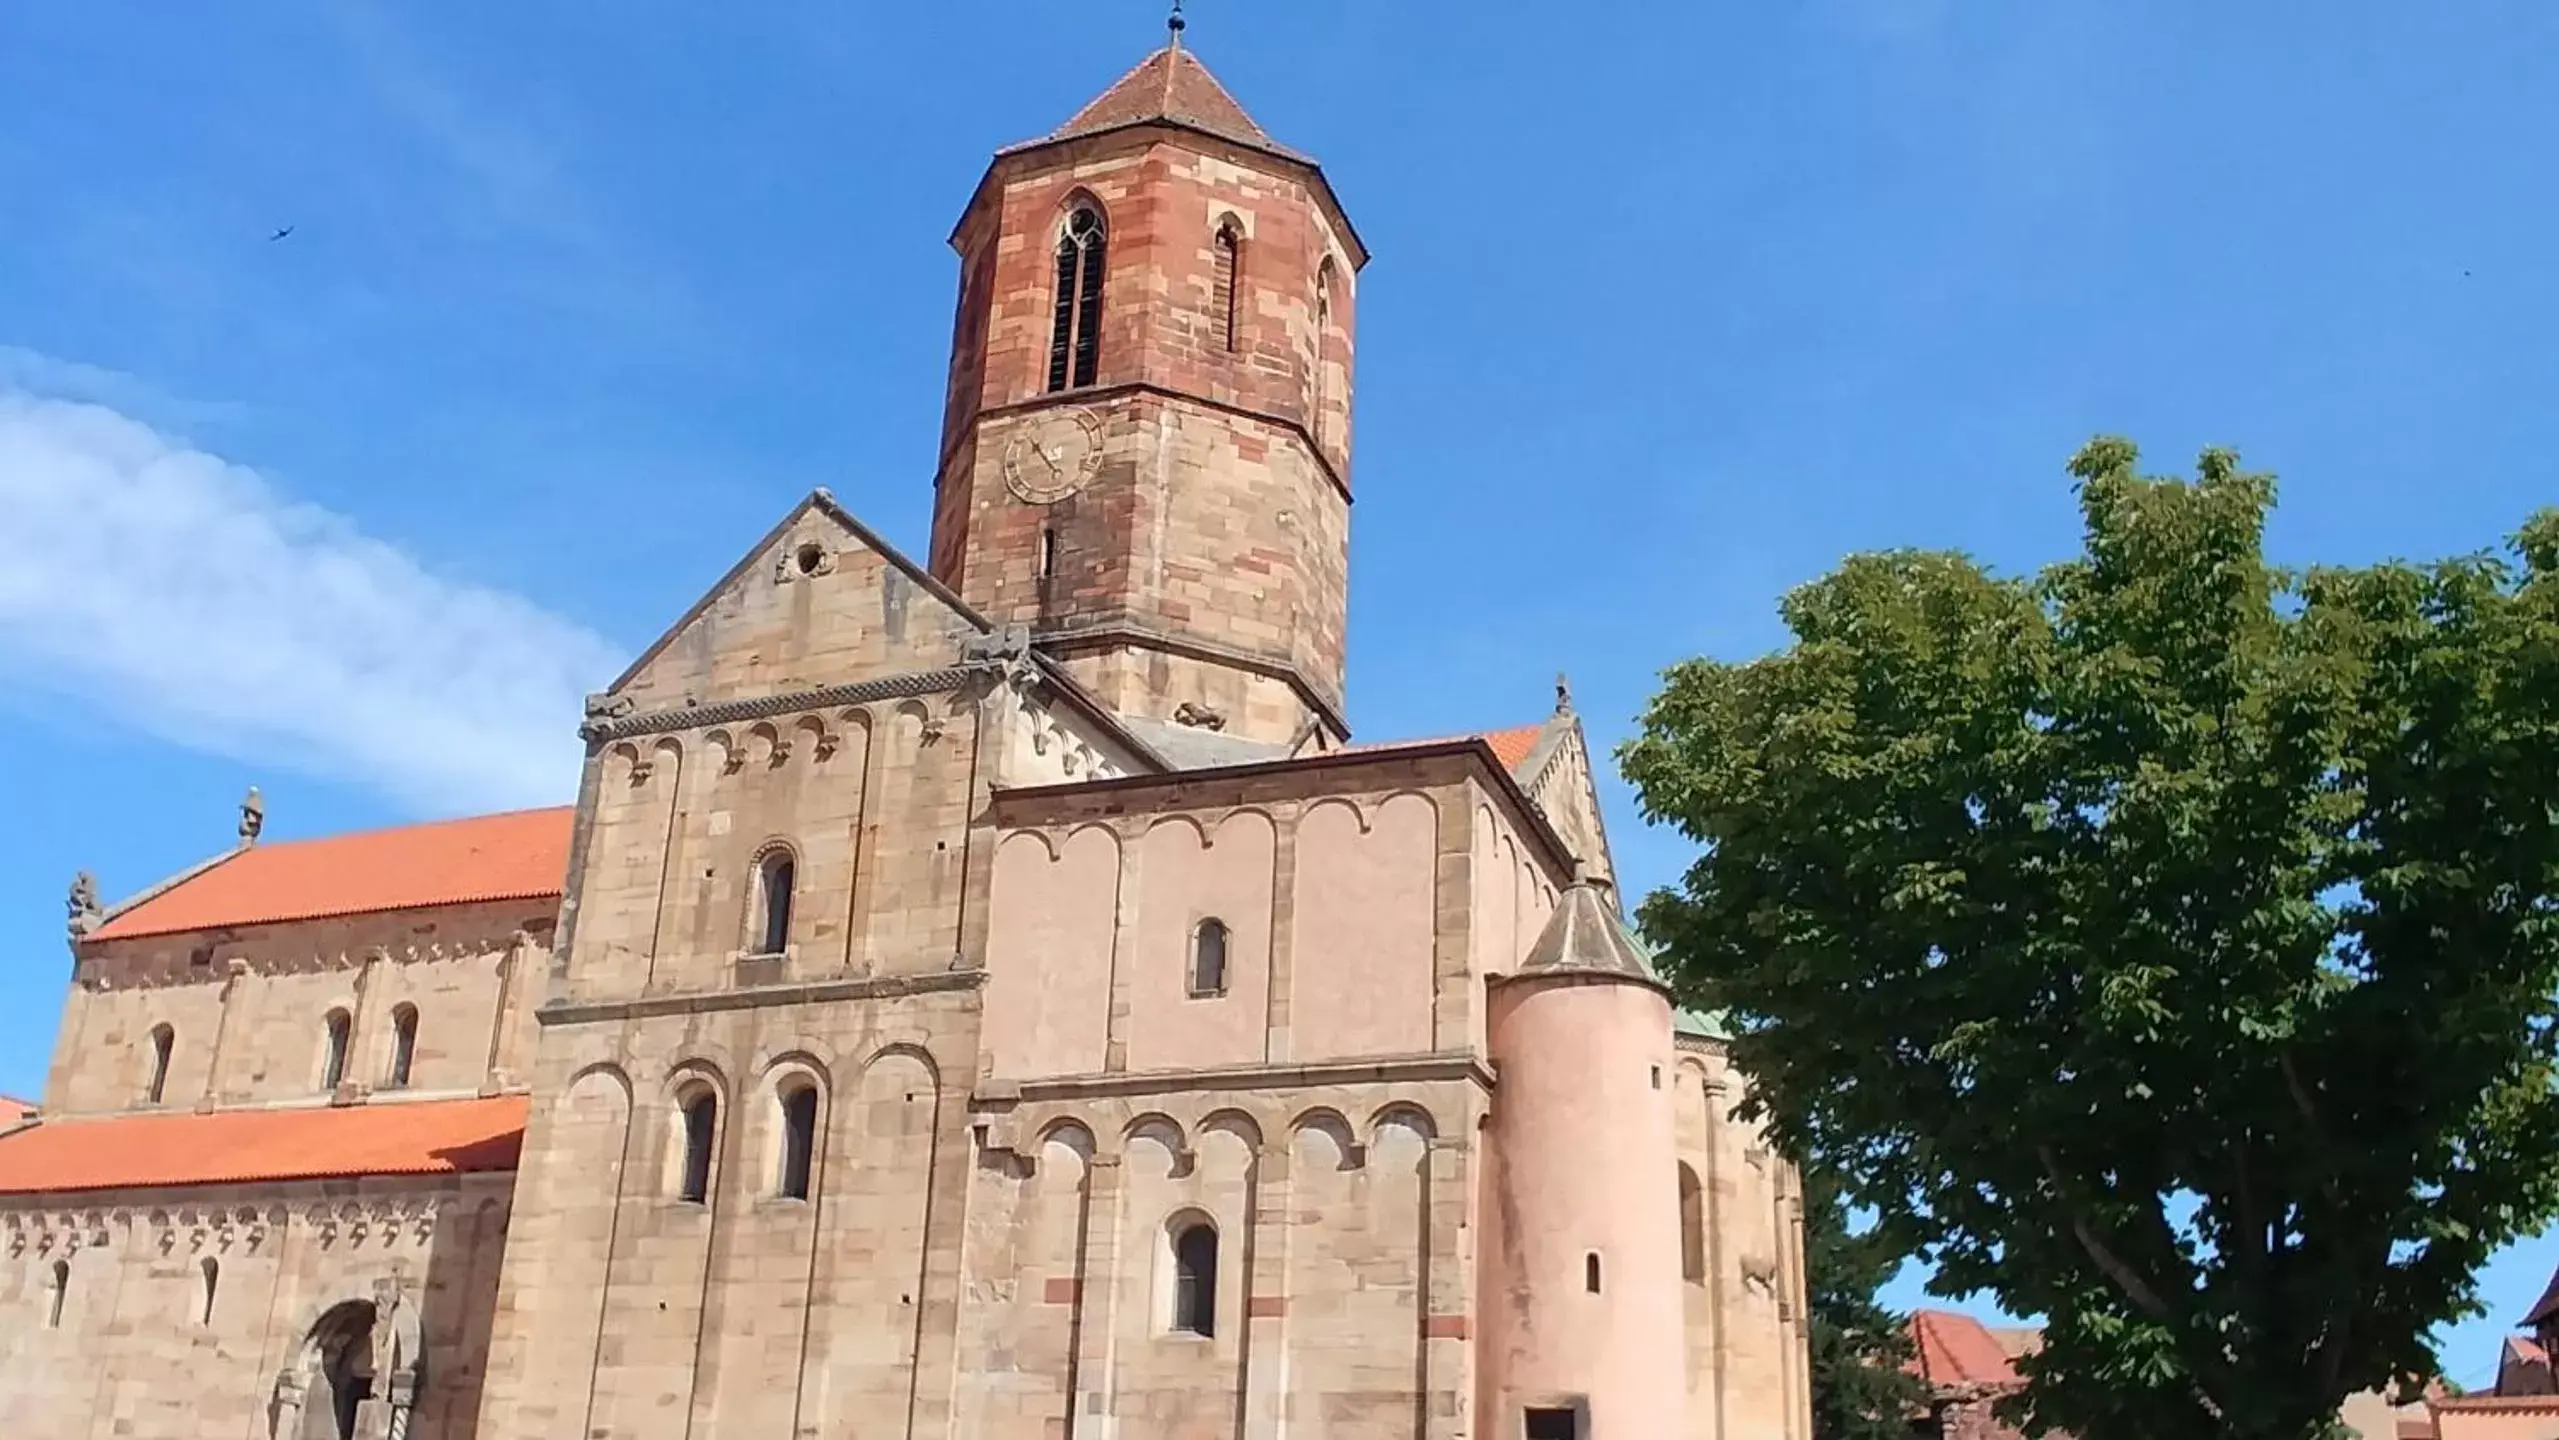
(437, 823)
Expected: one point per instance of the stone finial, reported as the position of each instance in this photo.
(253, 816)
(85, 913)
(1563, 694)
(1205, 717)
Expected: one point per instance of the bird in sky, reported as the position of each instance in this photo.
(280, 234)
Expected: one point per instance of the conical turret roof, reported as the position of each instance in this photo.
(1169, 85)
(1585, 936)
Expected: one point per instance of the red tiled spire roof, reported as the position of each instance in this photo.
(443, 1137)
(521, 855)
(1170, 84)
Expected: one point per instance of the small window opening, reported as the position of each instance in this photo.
(701, 1124)
(333, 1060)
(1590, 1272)
(212, 1278)
(809, 558)
(1222, 285)
(1657, 1077)
(774, 878)
(61, 1289)
(1692, 1227)
(404, 1046)
(1075, 327)
(200, 957)
(1208, 959)
(1048, 551)
(1195, 1279)
(799, 1141)
(1553, 1423)
(163, 1040)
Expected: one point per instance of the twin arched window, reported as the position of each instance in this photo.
(333, 1054)
(1209, 945)
(1075, 327)
(1195, 1277)
(404, 1047)
(698, 1115)
(799, 1140)
(775, 875)
(163, 1040)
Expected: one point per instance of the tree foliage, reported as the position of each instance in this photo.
(2164, 943)
(1860, 1390)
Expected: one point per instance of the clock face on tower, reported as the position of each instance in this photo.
(1052, 454)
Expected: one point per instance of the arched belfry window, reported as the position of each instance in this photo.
(1223, 283)
(799, 1140)
(1323, 344)
(1195, 1277)
(1209, 944)
(163, 1040)
(698, 1113)
(1075, 329)
(775, 874)
(333, 1052)
(404, 1046)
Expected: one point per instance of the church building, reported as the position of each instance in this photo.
(983, 998)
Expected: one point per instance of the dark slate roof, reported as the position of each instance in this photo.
(1585, 935)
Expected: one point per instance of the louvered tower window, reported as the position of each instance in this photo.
(1075, 334)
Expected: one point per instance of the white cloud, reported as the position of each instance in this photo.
(184, 592)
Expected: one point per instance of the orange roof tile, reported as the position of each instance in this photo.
(442, 1137)
(1510, 747)
(1957, 1351)
(521, 855)
(1170, 84)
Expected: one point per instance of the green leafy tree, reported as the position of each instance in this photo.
(2164, 944)
(1859, 1348)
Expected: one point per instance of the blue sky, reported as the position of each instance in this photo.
(1673, 305)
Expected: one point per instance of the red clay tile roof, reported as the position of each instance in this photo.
(2527, 1350)
(1170, 84)
(1958, 1351)
(521, 855)
(1510, 747)
(441, 1137)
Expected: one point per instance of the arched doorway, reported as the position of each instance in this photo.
(338, 1378)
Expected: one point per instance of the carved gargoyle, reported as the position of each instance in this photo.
(1205, 717)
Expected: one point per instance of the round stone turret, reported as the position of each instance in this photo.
(1583, 1319)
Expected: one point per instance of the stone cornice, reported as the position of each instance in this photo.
(607, 728)
(1449, 1065)
(815, 992)
(1061, 642)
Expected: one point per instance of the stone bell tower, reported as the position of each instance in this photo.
(1146, 439)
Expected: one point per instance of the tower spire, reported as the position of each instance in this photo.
(1174, 25)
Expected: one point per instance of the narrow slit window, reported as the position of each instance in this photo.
(1075, 326)
(701, 1116)
(799, 1141)
(1208, 959)
(404, 1046)
(1195, 1279)
(774, 879)
(163, 1041)
(333, 1055)
(1323, 344)
(1692, 1227)
(1590, 1272)
(1222, 285)
(61, 1290)
(1048, 551)
(212, 1279)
